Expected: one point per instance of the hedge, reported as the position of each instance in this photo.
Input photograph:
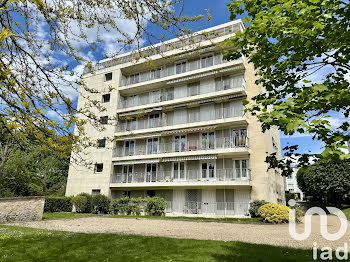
(58, 204)
(79, 203)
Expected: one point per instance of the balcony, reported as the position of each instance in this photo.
(197, 90)
(148, 178)
(174, 69)
(158, 147)
(168, 46)
(205, 112)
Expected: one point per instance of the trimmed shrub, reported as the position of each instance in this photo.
(88, 208)
(254, 207)
(273, 213)
(80, 203)
(155, 206)
(58, 204)
(100, 204)
(126, 206)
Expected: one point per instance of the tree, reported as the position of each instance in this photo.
(45, 44)
(300, 50)
(327, 181)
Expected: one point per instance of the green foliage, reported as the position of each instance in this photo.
(58, 204)
(79, 203)
(100, 204)
(254, 207)
(273, 213)
(126, 206)
(326, 181)
(155, 206)
(32, 170)
(88, 208)
(299, 50)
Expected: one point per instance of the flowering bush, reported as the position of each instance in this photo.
(273, 213)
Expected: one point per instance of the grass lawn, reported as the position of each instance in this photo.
(347, 213)
(26, 244)
(61, 215)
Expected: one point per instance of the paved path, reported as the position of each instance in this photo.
(246, 232)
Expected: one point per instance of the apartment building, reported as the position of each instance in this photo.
(181, 132)
(292, 185)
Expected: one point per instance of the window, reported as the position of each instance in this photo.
(241, 167)
(106, 98)
(208, 171)
(152, 146)
(96, 192)
(101, 143)
(193, 89)
(151, 172)
(239, 137)
(167, 93)
(179, 170)
(208, 141)
(155, 74)
(108, 77)
(153, 120)
(104, 120)
(98, 168)
(151, 193)
(180, 143)
(133, 79)
(129, 148)
(131, 124)
(180, 67)
(127, 174)
(127, 194)
(206, 61)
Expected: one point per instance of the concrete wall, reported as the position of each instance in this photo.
(21, 209)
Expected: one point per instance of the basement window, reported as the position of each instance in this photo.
(96, 192)
(104, 120)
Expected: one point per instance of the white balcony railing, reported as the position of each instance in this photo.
(172, 69)
(185, 118)
(228, 174)
(185, 146)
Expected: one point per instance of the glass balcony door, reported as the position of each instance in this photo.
(241, 167)
(152, 146)
(151, 172)
(179, 171)
(239, 137)
(129, 148)
(127, 174)
(208, 170)
(180, 143)
(208, 141)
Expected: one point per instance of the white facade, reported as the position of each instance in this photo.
(181, 132)
(292, 185)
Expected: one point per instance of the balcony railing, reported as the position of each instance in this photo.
(168, 94)
(189, 117)
(227, 174)
(172, 69)
(163, 47)
(185, 146)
